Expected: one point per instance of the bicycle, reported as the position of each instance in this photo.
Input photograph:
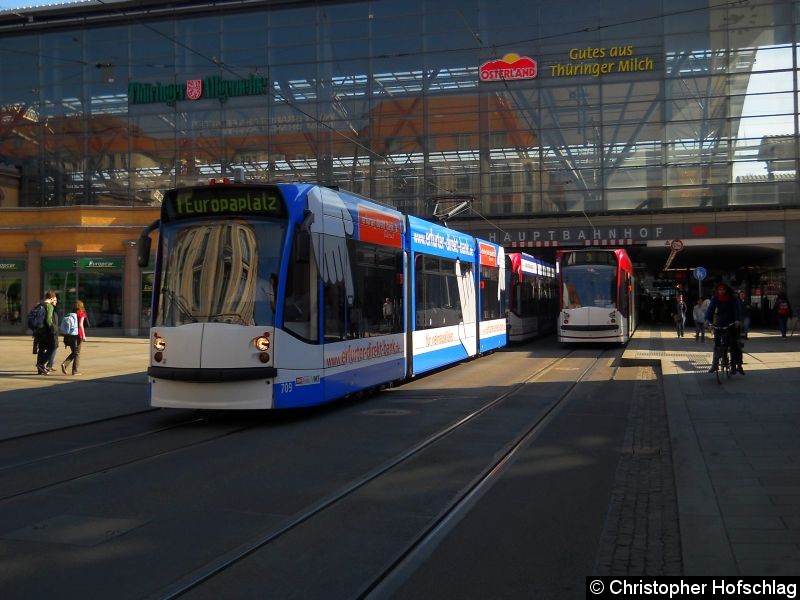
(724, 365)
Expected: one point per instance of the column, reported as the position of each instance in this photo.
(131, 295)
(791, 259)
(33, 280)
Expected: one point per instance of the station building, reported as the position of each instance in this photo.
(653, 125)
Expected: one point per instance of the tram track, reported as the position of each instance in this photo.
(97, 445)
(420, 548)
(51, 470)
(424, 538)
(72, 426)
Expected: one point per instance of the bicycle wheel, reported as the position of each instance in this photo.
(726, 366)
(718, 373)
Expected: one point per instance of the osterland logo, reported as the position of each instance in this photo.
(510, 67)
(196, 89)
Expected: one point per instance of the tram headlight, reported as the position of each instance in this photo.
(261, 343)
(159, 343)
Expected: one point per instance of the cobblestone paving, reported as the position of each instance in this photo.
(641, 534)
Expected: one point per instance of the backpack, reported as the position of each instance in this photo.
(69, 324)
(783, 308)
(37, 317)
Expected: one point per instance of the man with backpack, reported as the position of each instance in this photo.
(42, 323)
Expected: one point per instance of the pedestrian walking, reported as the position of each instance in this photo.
(43, 326)
(54, 346)
(747, 309)
(74, 335)
(699, 316)
(784, 311)
(679, 314)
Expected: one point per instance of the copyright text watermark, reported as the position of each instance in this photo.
(687, 587)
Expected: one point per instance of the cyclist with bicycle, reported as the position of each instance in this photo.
(725, 310)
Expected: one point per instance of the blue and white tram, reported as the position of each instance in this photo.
(289, 295)
(533, 297)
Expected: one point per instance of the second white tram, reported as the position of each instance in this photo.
(597, 291)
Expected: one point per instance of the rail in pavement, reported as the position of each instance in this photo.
(112, 382)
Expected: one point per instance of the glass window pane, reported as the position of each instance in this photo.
(63, 283)
(102, 295)
(11, 311)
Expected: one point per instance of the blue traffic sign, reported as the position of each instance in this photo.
(700, 273)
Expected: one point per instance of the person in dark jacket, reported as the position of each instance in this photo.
(679, 314)
(46, 336)
(723, 311)
(747, 310)
(784, 311)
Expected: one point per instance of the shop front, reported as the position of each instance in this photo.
(98, 282)
(12, 279)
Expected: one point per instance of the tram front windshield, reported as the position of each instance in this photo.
(589, 285)
(220, 271)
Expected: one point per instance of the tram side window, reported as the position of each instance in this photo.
(525, 292)
(377, 307)
(335, 301)
(438, 303)
(623, 296)
(551, 296)
(518, 297)
(300, 307)
(492, 299)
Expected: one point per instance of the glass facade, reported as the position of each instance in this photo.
(11, 310)
(97, 282)
(635, 106)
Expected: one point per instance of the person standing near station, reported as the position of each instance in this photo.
(723, 311)
(74, 339)
(706, 302)
(784, 311)
(679, 314)
(746, 310)
(699, 316)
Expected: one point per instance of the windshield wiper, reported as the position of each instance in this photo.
(227, 318)
(180, 303)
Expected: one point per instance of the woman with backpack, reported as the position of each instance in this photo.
(74, 335)
(784, 310)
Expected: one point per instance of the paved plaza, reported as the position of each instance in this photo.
(735, 446)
